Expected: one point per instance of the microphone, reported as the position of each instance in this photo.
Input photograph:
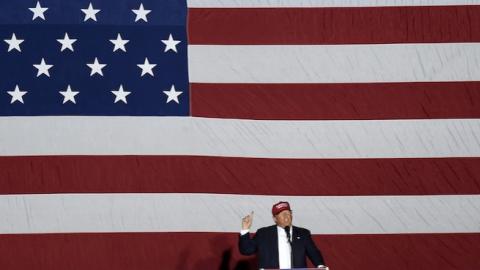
(287, 230)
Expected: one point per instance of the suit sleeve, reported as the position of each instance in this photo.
(313, 252)
(247, 245)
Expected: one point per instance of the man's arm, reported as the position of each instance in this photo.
(247, 245)
(313, 252)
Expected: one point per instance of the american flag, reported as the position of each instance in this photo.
(135, 134)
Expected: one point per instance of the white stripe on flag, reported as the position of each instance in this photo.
(323, 3)
(56, 213)
(27, 136)
(334, 63)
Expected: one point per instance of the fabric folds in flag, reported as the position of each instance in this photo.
(136, 134)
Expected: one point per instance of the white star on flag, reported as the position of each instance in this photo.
(121, 95)
(17, 94)
(119, 43)
(14, 43)
(66, 42)
(146, 67)
(141, 13)
(96, 67)
(90, 13)
(170, 44)
(69, 95)
(38, 11)
(43, 68)
(172, 94)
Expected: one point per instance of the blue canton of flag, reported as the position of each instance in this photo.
(94, 57)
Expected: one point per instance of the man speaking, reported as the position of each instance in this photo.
(282, 245)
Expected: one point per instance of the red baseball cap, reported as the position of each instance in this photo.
(279, 207)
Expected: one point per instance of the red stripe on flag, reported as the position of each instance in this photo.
(121, 251)
(334, 25)
(337, 101)
(188, 174)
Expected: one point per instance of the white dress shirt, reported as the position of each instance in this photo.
(284, 249)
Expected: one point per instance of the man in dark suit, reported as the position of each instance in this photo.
(282, 245)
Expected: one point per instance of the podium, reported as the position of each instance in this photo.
(321, 268)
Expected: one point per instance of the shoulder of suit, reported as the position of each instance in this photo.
(301, 230)
(264, 232)
(267, 229)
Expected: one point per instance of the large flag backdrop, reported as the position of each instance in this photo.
(135, 134)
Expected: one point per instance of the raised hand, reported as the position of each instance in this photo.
(247, 221)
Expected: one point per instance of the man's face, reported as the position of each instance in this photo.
(283, 218)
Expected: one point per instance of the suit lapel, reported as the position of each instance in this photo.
(294, 242)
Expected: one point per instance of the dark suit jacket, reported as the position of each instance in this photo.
(265, 245)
